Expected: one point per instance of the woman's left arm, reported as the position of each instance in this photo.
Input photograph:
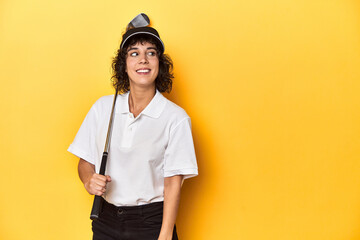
(172, 186)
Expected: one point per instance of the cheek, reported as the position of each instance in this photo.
(156, 64)
(126, 65)
(156, 72)
(129, 66)
(129, 63)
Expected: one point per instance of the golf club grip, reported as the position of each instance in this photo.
(96, 208)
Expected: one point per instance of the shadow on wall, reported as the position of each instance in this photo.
(193, 188)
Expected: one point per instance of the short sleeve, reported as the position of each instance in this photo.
(180, 158)
(84, 144)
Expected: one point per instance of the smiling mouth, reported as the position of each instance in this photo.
(143, 71)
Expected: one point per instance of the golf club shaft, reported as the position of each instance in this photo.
(96, 208)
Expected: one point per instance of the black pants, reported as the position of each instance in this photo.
(129, 223)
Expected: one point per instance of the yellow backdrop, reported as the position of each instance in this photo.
(272, 87)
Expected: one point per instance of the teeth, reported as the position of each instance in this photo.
(143, 71)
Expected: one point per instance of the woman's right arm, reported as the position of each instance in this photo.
(94, 183)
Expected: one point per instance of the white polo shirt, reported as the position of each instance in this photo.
(143, 150)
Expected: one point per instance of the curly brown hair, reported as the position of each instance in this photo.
(120, 79)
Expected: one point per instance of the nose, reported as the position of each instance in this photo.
(143, 58)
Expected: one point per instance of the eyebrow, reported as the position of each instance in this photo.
(135, 48)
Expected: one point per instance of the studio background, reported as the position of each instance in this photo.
(272, 88)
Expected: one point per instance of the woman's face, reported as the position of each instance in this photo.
(142, 65)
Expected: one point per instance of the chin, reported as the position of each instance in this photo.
(145, 84)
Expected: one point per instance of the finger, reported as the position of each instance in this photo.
(99, 193)
(108, 178)
(99, 180)
(100, 184)
(97, 186)
(100, 177)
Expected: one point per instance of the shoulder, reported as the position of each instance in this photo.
(175, 115)
(101, 107)
(103, 101)
(174, 110)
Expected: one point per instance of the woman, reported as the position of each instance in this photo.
(151, 150)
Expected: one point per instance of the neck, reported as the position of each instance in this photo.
(139, 99)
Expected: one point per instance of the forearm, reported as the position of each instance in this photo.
(172, 187)
(85, 170)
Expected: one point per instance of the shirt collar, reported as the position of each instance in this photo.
(153, 109)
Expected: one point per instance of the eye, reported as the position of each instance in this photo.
(152, 53)
(133, 54)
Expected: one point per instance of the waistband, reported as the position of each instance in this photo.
(139, 209)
